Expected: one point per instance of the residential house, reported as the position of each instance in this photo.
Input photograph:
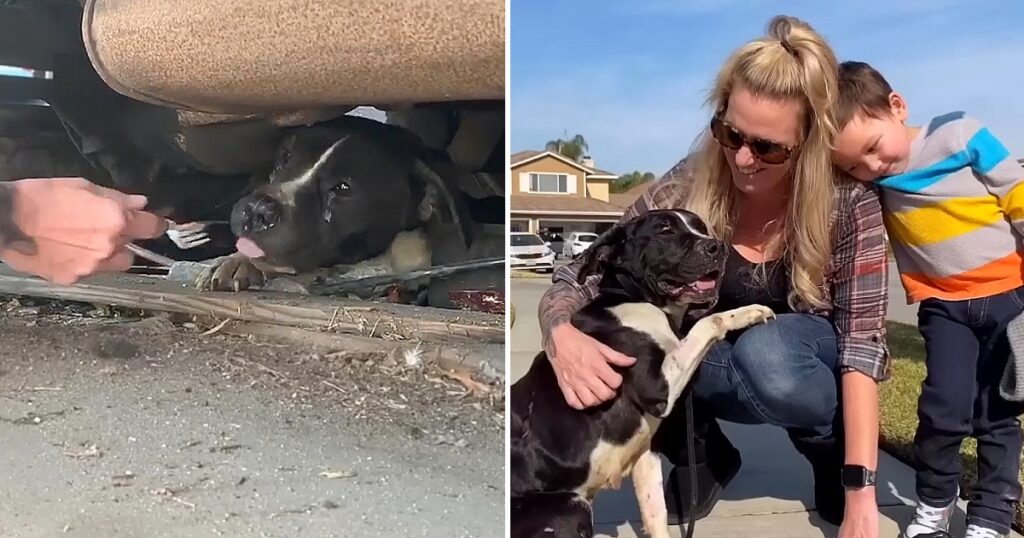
(556, 194)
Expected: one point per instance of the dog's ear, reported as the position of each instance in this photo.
(442, 200)
(595, 258)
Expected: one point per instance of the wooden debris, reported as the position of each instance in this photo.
(474, 387)
(338, 474)
(393, 322)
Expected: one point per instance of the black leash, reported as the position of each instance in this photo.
(691, 450)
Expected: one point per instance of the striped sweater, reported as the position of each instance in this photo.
(956, 215)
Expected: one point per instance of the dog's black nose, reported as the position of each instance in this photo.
(712, 248)
(261, 214)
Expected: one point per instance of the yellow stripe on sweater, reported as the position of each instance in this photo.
(945, 220)
(1013, 202)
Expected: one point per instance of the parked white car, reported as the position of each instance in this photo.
(577, 243)
(528, 251)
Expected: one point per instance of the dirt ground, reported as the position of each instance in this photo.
(115, 426)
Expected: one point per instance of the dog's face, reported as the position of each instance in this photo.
(666, 254)
(331, 193)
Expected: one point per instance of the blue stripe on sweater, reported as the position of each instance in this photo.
(983, 153)
(920, 179)
(986, 151)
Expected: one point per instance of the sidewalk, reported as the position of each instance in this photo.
(771, 496)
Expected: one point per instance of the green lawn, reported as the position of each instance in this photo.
(899, 404)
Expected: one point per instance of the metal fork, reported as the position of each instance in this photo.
(190, 234)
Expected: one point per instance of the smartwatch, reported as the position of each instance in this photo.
(857, 477)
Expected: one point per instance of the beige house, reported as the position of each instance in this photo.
(553, 193)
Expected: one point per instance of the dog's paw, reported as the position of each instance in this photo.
(231, 273)
(746, 316)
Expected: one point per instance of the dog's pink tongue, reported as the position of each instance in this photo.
(705, 284)
(249, 248)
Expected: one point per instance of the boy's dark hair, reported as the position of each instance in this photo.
(862, 90)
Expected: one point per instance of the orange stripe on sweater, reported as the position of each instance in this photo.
(992, 278)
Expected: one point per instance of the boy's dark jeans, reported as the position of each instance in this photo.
(967, 350)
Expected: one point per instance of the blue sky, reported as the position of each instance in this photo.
(631, 76)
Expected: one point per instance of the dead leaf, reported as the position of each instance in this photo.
(474, 387)
(91, 452)
(338, 474)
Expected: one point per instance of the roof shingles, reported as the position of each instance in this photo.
(561, 203)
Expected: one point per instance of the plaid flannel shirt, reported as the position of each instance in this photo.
(855, 286)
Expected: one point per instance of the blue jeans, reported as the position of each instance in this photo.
(782, 373)
(966, 351)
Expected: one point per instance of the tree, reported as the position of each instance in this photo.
(574, 148)
(630, 180)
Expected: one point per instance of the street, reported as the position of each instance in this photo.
(116, 428)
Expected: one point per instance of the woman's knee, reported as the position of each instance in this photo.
(779, 368)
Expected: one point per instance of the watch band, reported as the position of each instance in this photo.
(857, 477)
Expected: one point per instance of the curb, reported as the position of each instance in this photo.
(523, 274)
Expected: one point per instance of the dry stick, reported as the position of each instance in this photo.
(332, 385)
(260, 366)
(217, 329)
(453, 356)
(310, 312)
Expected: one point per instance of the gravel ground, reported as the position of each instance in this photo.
(118, 427)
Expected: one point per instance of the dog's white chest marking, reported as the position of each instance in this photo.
(647, 319)
(680, 361)
(610, 463)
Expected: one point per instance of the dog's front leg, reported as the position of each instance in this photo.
(682, 362)
(650, 495)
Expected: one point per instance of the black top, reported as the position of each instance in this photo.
(738, 287)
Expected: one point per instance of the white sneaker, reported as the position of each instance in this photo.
(974, 531)
(931, 522)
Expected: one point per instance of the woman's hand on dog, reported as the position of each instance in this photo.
(581, 365)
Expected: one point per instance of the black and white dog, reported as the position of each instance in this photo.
(343, 193)
(654, 267)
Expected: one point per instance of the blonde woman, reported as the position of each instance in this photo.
(805, 243)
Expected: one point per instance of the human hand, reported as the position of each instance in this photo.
(62, 229)
(581, 365)
(860, 520)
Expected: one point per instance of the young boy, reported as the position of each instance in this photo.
(953, 200)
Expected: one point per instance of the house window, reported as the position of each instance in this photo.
(554, 183)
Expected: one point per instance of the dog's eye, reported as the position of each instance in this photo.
(341, 188)
(666, 230)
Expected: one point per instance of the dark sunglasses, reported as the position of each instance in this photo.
(766, 151)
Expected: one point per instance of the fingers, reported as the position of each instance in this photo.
(136, 223)
(121, 261)
(608, 379)
(144, 225)
(115, 195)
(582, 388)
(571, 398)
(137, 202)
(587, 397)
(615, 357)
(586, 387)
